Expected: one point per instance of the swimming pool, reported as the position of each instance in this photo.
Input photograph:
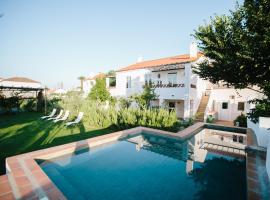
(148, 166)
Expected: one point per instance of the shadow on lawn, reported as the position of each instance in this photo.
(9, 120)
(43, 134)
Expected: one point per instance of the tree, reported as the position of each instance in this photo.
(143, 100)
(81, 78)
(99, 91)
(238, 47)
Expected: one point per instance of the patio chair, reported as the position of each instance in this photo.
(77, 120)
(63, 118)
(57, 116)
(50, 115)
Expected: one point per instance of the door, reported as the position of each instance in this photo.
(171, 106)
(224, 111)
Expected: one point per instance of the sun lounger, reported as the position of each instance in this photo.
(76, 121)
(50, 115)
(63, 118)
(57, 116)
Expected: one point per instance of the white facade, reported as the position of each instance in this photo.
(87, 85)
(183, 95)
(228, 103)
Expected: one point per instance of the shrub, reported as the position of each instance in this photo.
(210, 119)
(262, 109)
(99, 91)
(102, 114)
(28, 105)
(242, 119)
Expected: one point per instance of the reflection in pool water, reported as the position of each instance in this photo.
(153, 167)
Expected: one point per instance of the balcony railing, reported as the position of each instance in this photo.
(169, 85)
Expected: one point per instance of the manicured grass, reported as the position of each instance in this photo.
(25, 132)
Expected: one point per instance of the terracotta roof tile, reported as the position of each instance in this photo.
(162, 61)
(100, 75)
(20, 79)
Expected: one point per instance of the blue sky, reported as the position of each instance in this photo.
(55, 41)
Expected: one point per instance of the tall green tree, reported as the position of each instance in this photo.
(238, 47)
(99, 91)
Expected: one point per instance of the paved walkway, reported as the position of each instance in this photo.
(225, 123)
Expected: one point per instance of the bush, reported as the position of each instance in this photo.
(242, 119)
(120, 115)
(72, 101)
(262, 109)
(210, 119)
(28, 105)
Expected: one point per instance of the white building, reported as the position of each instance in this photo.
(89, 82)
(24, 86)
(174, 82)
(228, 103)
(179, 88)
(20, 82)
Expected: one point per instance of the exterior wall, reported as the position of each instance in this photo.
(185, 97)
(261, 131)
(196, 93)
(20, 84)
(232, 96)
(137, 82)
(87, 85)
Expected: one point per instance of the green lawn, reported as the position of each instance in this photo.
(26, 132)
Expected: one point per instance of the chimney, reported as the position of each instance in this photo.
(139, 59)
(193, 50)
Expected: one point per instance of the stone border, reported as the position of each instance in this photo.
(257, 178)
(28, 181)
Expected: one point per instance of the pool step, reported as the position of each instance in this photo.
(216, 147)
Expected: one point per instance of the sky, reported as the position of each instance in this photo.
(54, 41)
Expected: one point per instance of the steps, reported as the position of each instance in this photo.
(201, 108)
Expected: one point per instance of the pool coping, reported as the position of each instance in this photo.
(28, 181)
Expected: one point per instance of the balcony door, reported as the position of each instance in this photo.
(172, 78)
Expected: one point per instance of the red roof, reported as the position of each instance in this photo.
(100, 75)
(20, 79)
(162, 61)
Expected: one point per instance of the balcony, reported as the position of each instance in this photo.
(169, 85)
(169, 90)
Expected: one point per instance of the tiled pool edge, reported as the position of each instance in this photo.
(28, 181)
(257, 179)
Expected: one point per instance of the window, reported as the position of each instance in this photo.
(172, 78)
(158, 76)
(241, 106)
(148, 79)
(128, 81)
(224, 105)
(171, 106)
(112, 81)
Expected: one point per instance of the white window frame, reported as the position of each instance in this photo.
(128, 83)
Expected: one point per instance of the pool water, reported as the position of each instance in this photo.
(149, 167)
